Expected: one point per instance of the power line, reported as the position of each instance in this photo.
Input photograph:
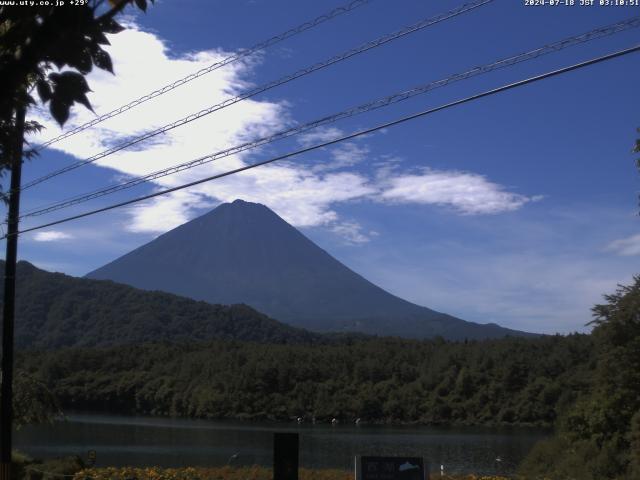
(366, 107)
(268, 86)
(226, 61)
(260, 89)
(478, 96)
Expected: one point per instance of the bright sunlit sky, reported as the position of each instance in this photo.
(519, 209)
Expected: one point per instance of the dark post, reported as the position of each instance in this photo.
(285, 456)
(6, 410)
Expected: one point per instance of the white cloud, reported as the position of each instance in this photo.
(162, 214)
(467, 193)
(303, 194)
(51, 236)
(387, 166)
(626, 246)
(342, 156)
(301, 198)
(319, 135)
(349, 154)
(352, 232)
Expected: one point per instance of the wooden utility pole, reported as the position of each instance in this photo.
(6, 407)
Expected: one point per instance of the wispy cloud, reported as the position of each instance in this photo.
(544, 288)
(349, 154)
(300, 195)
(626, 246)
(352, 232)
(467, 193)
(343, 156)
(319, 135)
(305, 195)
(51, 236)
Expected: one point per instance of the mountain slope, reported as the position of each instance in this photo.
(54, 311)
(244, 253)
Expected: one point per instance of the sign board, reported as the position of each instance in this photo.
(391, 468)
(91, 456)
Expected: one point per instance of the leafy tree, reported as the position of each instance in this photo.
(634, 444)
(50, 49)
(33, 402)
(599, 436)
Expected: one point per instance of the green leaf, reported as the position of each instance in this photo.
(82, 98)
(100, 38)
(44, 90)
(66, 83)
(59, 110)
(69, 87)
(102, 60)
(111, 26)
(82, 62)
(58, 62)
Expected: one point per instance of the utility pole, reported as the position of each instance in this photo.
(6, 407)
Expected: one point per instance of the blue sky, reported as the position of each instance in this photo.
(519, 209)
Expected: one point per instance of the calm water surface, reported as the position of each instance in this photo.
(144, 441)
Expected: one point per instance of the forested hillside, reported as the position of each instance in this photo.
(55, 311)
(510, 381)
(599, 436)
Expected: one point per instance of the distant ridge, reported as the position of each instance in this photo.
(243, 252)
(57, 311)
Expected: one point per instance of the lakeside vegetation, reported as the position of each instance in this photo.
(599, 436)
(74, 469)
(231, 473)
(587, 386)
(511, 381)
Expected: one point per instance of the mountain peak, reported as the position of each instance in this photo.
(239, 208)
(243, 252)
(238, 202)
(228, 222)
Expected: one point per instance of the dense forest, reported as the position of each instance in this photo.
(510, 381)
(55, 311)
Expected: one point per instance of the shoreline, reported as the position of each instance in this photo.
(292, 423)
(139, 441)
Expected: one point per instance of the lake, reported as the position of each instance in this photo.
(145, 441)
